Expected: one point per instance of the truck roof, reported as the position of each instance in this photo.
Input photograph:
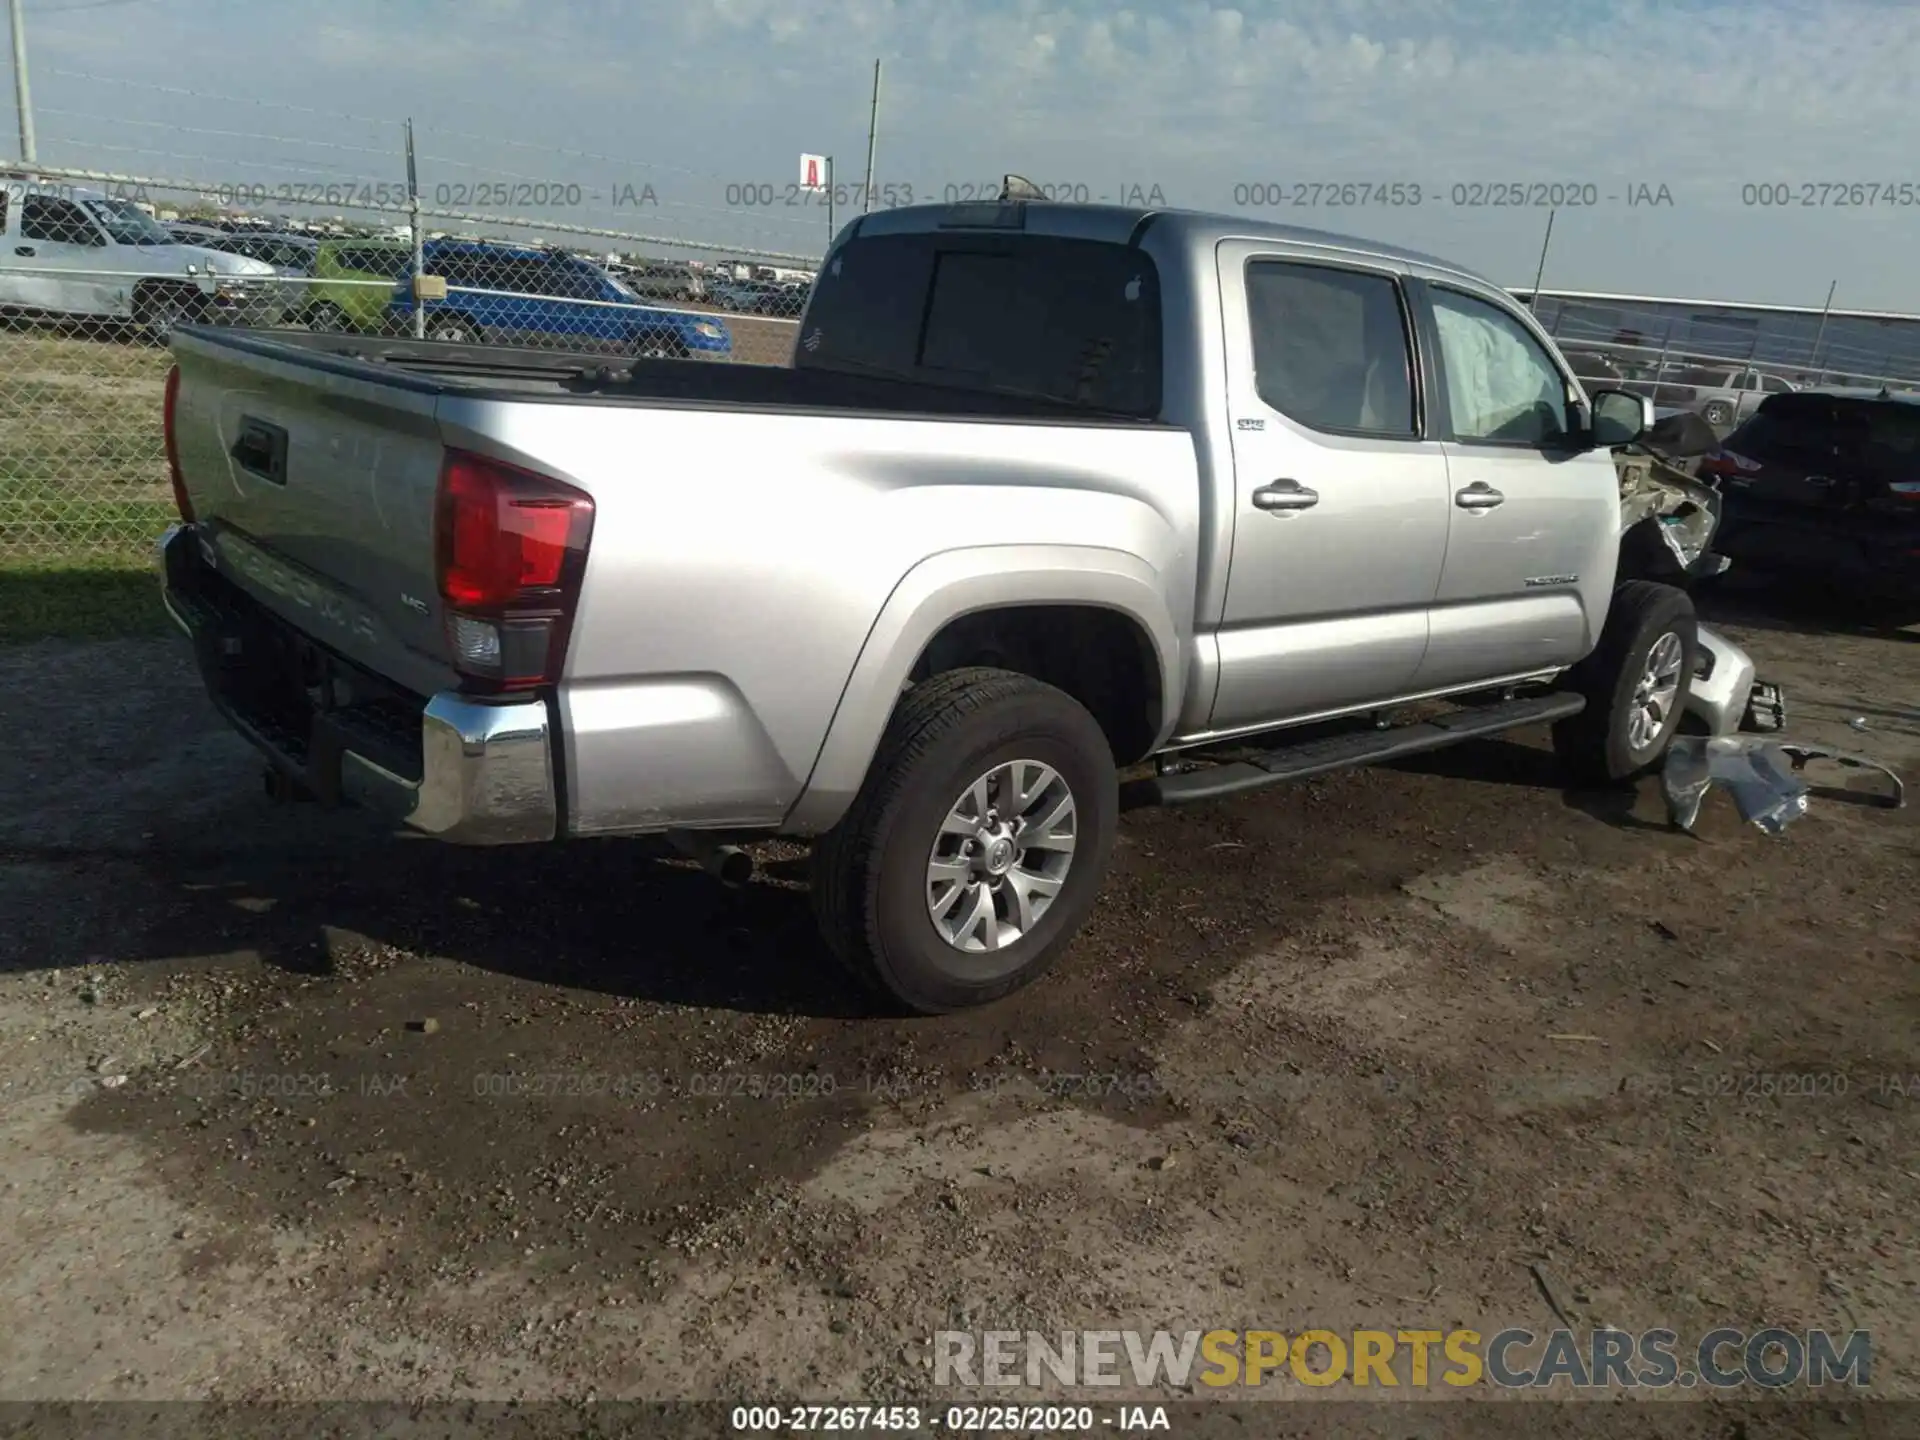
(1120, 223)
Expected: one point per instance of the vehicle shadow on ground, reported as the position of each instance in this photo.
(1497, 761)
(610, 917)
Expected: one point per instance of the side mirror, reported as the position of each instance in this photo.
(1619, 418)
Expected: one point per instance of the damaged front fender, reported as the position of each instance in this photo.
(1667, 519)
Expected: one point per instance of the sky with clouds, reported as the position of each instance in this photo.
(677, 119)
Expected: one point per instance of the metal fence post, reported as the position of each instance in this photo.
(1660, 364)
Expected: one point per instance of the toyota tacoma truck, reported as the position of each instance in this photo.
(1058, 509)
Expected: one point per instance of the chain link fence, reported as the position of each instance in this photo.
(98, 268)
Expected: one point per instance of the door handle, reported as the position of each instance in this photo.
(24, 250)
(1478, 496)
(1285, 495)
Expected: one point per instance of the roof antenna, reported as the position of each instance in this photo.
(1016, 187)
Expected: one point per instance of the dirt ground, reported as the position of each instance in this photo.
(1358, 1052)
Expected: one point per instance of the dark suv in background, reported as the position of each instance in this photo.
(1824, 486)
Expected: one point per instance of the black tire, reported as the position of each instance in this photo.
(1596, 746)
(158, 308)
(660, 347)
(1717, 412)
(328, 319)
(455, 330)
(870, 872)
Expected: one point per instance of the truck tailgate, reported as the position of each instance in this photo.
(316, 484)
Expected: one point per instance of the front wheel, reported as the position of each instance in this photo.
(328, 319)
(976, 846)
(455, 330)
(659, 347)
(158, 309)
(1635, 683)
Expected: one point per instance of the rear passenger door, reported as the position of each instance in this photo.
(1340, 522)
(1533, 536)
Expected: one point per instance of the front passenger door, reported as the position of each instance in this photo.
(1533, 538)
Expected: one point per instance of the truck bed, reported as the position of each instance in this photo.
(506, 373)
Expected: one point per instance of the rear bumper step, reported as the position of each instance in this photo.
(1346, 751)
(461, 768)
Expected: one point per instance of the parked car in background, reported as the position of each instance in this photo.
(1595, 368)
(188, 233)
(520, 295)
(664, 282)
(759, 297)
(1720, 395)
(74, 253)
(1824, 486)
(353, 282)
(289, 255)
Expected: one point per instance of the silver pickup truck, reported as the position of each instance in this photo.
(1051, 498)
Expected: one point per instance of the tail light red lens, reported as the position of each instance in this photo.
(1728, 462)
(512, 549)
(168, 405)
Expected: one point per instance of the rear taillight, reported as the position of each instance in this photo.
(511, 548)
(168, 406)
(1904, 489)
(1728, 462)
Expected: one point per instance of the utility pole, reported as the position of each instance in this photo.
(1534, 304)
(829, 203)
(419, 240)
(873, 125)
(22, 98)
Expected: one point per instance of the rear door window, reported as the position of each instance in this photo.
(47, 217)
(1330, 347)
(1801, 428)
(1888, 440)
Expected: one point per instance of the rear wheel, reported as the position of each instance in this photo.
(975, 849)
(1635, 684)
(1717, 412)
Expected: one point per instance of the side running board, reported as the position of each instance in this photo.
(1346, 751)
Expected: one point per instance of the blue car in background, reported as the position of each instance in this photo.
(515, 295)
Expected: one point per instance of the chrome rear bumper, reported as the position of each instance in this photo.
(469, 769)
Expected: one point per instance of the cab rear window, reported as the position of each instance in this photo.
(1074, 321)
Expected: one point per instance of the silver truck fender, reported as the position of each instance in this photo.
(944, 587)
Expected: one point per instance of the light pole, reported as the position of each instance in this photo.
(22, 99)
(873, 125)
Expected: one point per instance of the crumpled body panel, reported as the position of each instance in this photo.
(1762, 775)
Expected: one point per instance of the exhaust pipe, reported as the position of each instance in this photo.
(728, 864)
